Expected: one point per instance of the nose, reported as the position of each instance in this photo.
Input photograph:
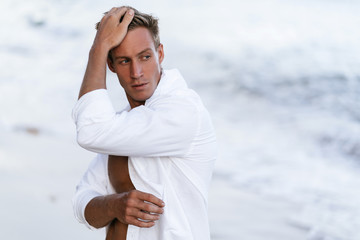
(136, 70)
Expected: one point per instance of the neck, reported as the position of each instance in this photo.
(133, 103)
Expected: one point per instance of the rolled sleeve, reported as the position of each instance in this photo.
(93, 107)
(94, 183)
(166, 127)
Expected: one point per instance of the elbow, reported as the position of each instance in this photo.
(94, 225)
(84, 144)
(85, 139)
(82, 140)
(94, 137)
(94, 141)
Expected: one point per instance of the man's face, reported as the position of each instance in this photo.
(137, 64)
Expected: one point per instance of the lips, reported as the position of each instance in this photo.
(139, 86)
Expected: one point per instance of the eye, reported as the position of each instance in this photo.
(124, 61)
(146, 57)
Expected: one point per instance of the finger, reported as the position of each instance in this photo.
(151, 199)
(106, 16)
(115, 13)
(128, 17)
(119, 12)
(149, 207)
(139, 223)
(145, 215)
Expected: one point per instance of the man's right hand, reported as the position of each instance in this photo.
(111, 32)
(136, 208)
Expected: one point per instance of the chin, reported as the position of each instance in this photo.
(143, 98)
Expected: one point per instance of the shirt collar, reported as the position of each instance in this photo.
(170, 80)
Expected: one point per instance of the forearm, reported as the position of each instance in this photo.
(95, 74)
(110, 34)
(98, 212)
(143, 131)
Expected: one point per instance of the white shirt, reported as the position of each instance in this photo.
(172, 149)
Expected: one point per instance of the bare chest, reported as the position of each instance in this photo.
(118, 172)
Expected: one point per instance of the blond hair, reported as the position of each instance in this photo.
(141, 20)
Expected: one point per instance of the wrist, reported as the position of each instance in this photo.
(99, 49)
(111, 204)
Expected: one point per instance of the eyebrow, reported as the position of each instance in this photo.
(142, 52)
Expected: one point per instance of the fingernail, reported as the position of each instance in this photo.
(131, 12)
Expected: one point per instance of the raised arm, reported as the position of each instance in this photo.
(165, 126)
(109, 35)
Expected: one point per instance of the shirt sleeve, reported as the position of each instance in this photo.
(166, 127)
(93, 184)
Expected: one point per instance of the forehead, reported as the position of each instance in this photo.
(135, 41)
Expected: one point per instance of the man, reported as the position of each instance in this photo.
(151, 177)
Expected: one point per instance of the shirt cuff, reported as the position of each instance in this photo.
(80, 202)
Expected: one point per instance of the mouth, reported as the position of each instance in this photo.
(139, 86)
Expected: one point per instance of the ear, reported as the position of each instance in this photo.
(160, 51)
(110, 65)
